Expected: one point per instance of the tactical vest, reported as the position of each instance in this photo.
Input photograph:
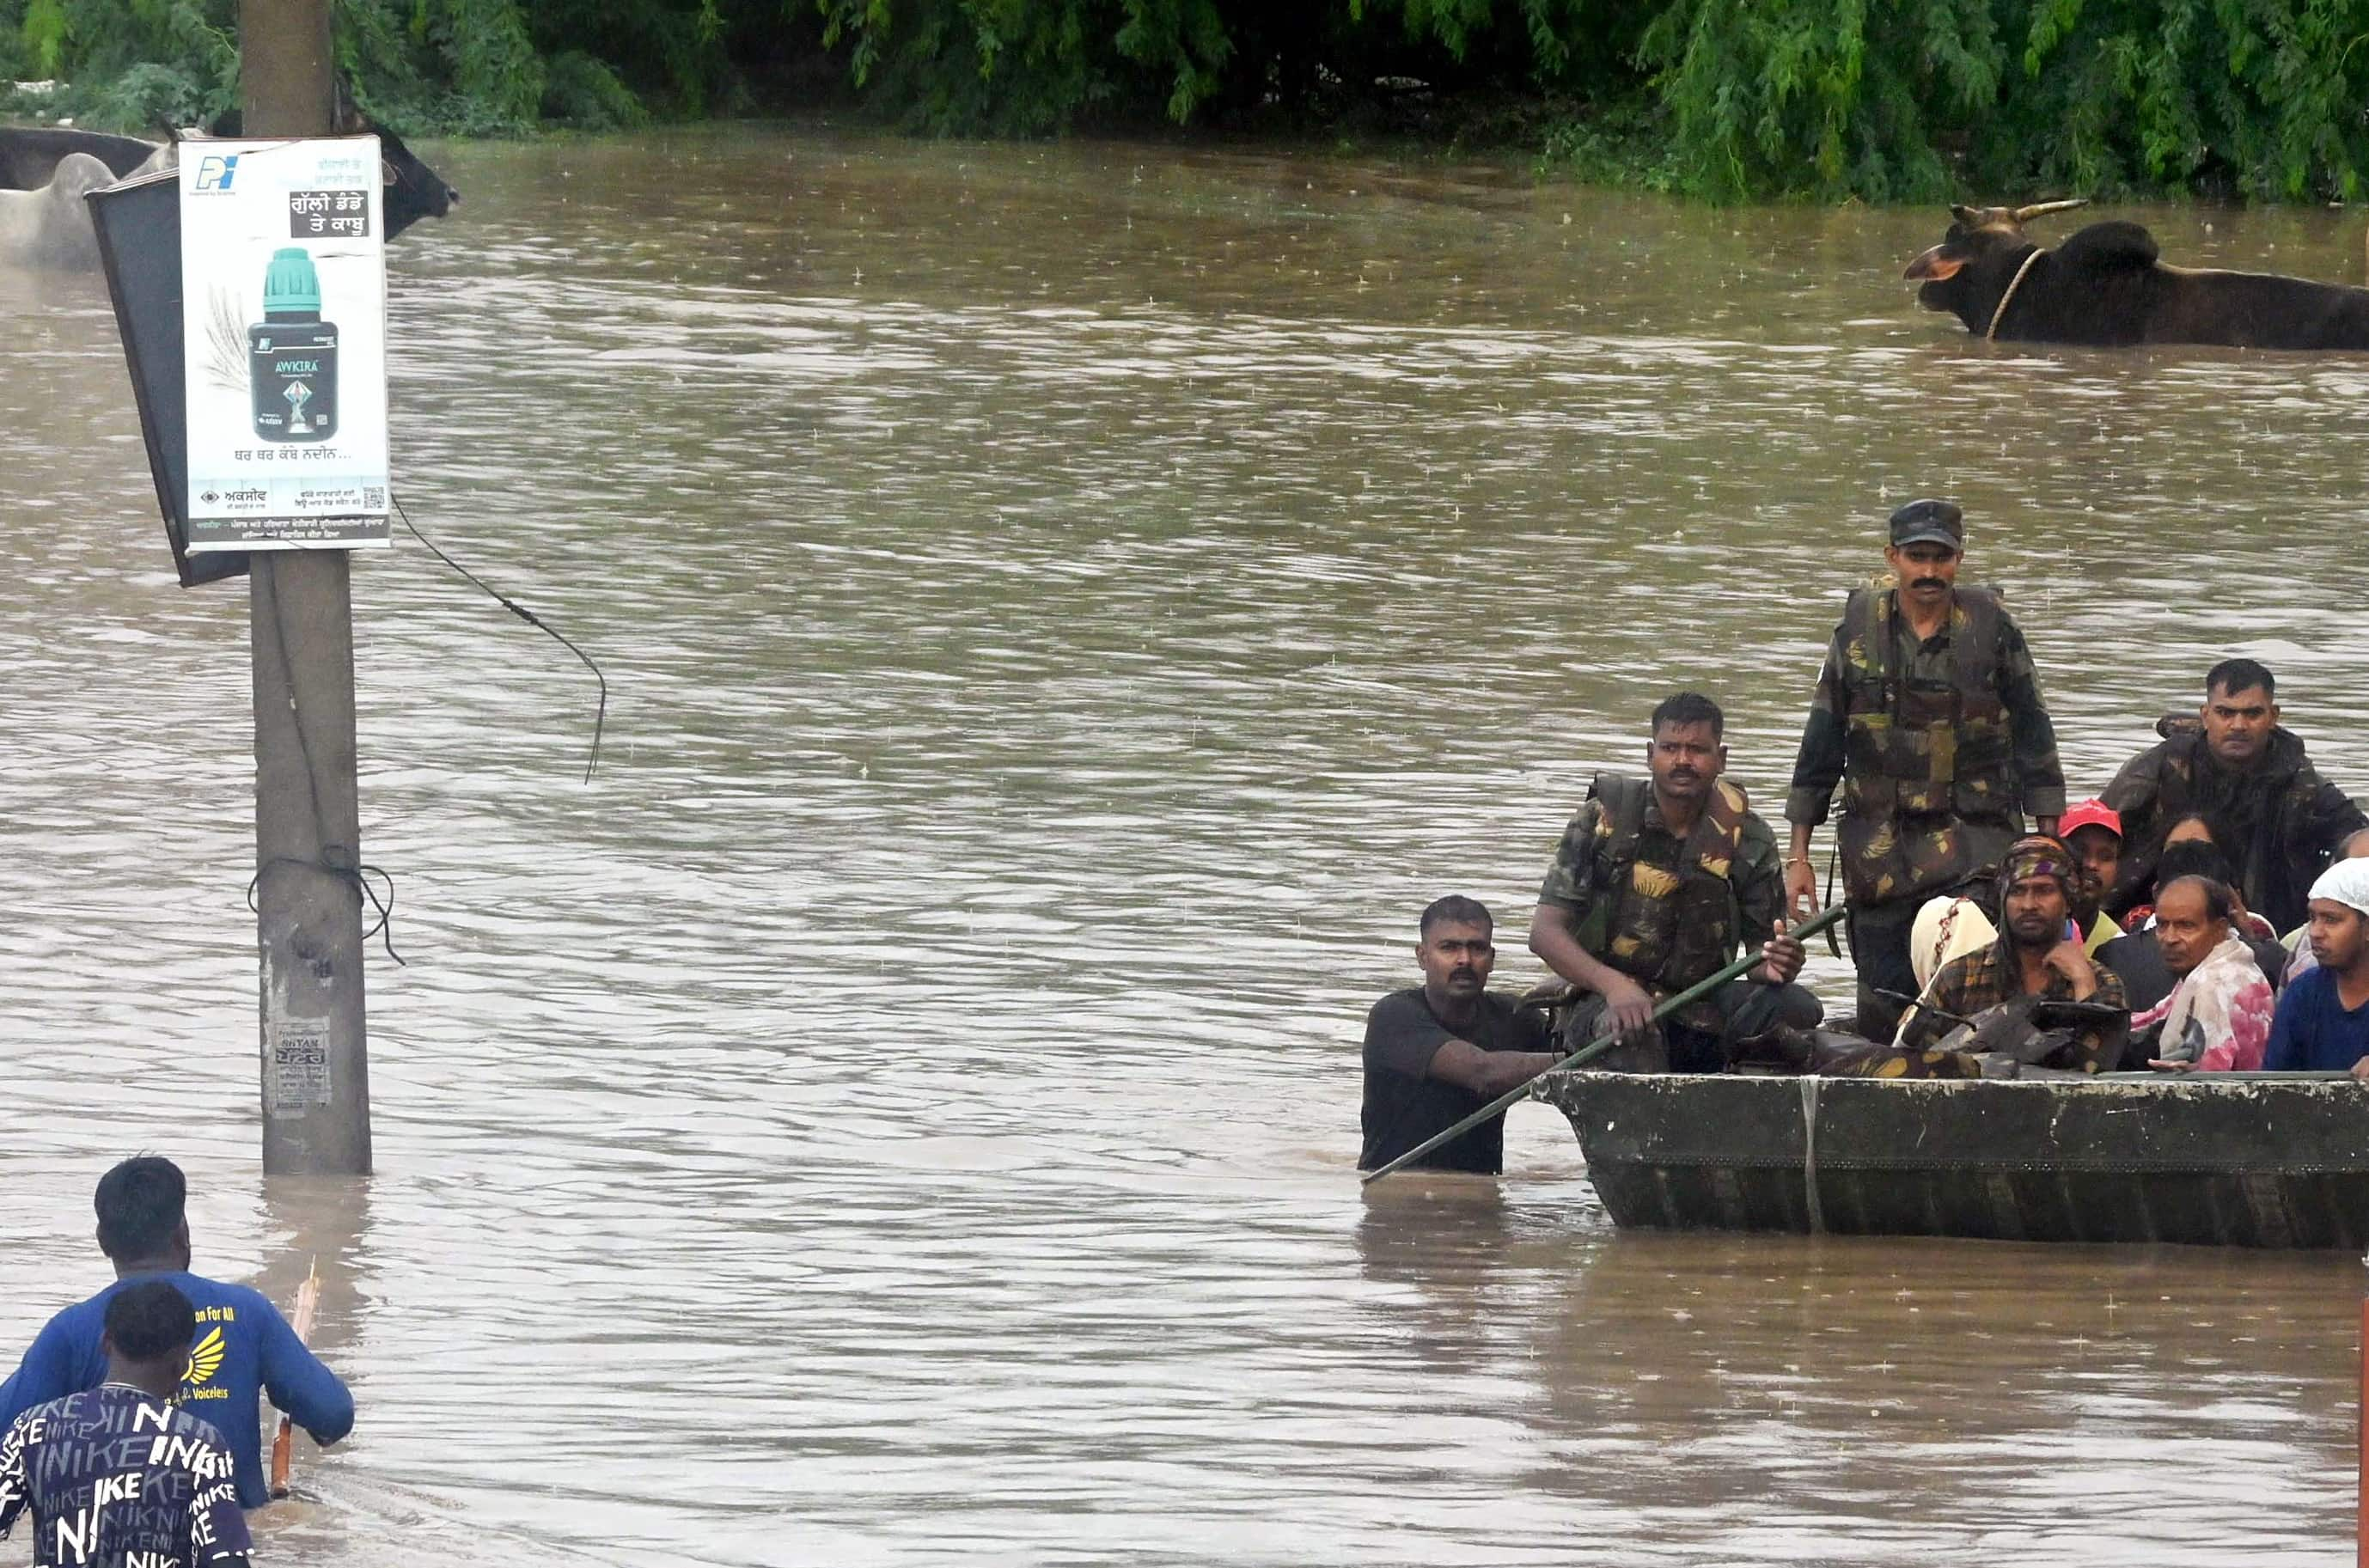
(1923, 761)
(1674, 916)
(2285, 790)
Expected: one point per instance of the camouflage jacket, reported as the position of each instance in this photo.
(1665, 911)
(1979, 981)
(1940, 746)
(2279, 824)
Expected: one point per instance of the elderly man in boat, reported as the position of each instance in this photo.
(1656, 885)
(2141, 958)
(2217, 1017)
(2038, 958)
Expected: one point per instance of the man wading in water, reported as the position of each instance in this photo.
(242, 1345)
(1928, 714)
(1439, 1051)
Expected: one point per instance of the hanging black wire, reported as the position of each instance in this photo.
(601, 716)
(355, 876)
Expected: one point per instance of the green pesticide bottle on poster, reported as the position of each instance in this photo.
(292, 354)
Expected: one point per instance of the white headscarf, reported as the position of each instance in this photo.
(2347, 882)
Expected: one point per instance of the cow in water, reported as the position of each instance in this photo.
(45, 171)
(2105, 287)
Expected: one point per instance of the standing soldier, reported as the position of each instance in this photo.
(1929, 714)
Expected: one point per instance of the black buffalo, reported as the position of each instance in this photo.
(2105, 287)
(45, 171)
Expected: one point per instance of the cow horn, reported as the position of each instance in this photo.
(2042, 209)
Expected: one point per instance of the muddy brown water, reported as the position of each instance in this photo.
(1067, 609)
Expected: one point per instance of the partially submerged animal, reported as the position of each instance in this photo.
(46, 170)
(2105, 287)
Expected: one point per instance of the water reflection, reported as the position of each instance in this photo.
(1067, 609)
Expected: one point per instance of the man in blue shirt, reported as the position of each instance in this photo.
(116, 1475)
(2323, 1022)
(243, 1343)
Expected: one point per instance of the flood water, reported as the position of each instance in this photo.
(1067, 609)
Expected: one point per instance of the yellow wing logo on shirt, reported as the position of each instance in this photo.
(205, 1357)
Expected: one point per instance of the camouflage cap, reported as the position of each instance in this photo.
(1930, 522)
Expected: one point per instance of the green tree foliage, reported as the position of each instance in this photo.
(1729, 100)
(1031, 65)
(1873, 99)
(479, 66)
(1834, 97)
(2261, 97)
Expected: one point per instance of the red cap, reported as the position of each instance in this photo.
(2090, 813)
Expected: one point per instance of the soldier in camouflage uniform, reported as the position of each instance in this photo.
(2235, 765)
(1656, 885)
(1928, 714)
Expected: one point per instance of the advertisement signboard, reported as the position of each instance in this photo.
(283, 269)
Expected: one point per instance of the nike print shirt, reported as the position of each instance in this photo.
(243, 1345)
(117, 1479)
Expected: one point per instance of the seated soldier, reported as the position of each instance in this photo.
(1655, 886)
(2038, 955)
(2235, 762)
(2137, 958)
(1439, 1051)
(2323, 1022)
(2218, 1018)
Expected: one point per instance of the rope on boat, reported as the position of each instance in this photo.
(1810, 1152)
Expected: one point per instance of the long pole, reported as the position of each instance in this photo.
(307, 809)
(283, 1441)
(1596, 1047)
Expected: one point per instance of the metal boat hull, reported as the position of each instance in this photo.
(2227, 1160)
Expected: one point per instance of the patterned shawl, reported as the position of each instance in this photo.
(2218, 1017)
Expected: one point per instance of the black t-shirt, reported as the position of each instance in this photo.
(1403, 1106)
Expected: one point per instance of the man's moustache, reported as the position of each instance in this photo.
(1929, 582)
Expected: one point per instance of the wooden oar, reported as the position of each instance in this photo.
(1601, 1044)
(283, 1445)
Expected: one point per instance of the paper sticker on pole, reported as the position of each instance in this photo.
(283, 269)
(296, 1078)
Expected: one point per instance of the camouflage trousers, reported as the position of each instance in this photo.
(1745, 1008)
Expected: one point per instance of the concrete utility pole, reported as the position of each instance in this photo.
(307, 810)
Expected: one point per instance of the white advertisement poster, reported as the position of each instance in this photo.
(284, 303)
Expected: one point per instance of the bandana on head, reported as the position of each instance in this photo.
(2040, 855)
